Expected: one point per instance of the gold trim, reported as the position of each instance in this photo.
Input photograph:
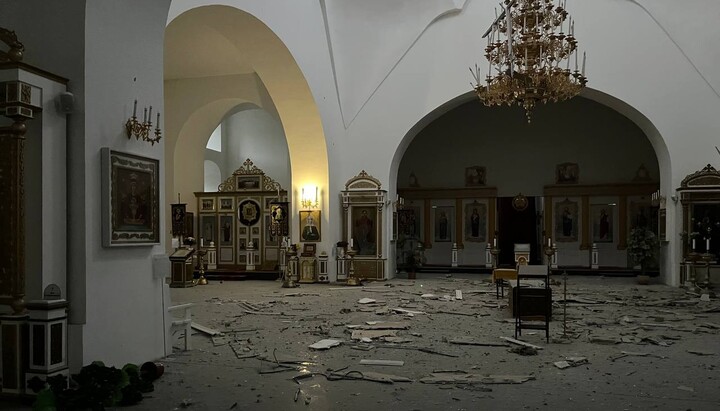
(622, 226)
(12, 190)
(249, 169)
(459, 229)
(16, 48)
(426, 223)
(708, 176)
(578, 190)
(492, 210)
(363, 181)
(548, 217)
(585, 243)
(444, 193)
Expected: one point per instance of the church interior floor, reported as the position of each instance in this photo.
(644, 347)
(626, 347)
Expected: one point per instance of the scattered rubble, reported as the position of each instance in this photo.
(325, 344)
(423, 326)
(571, 362)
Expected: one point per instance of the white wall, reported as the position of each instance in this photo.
(257, 135)
(634, 62)
(213, 176)
(103, 45)
(309, 47)
(115, 312)
(522, 158)
(124, 310)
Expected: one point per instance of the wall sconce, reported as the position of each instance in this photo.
(142, 130)
(657, 199)
(399, 202)
(307, 202)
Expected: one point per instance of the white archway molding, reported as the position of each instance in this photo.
(281, 77)
(670, 252)
(635, 62)
(189, 151)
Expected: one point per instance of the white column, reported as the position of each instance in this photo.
(594, 257)
(488, 256)
(454, 255)
(250, 263)
(211, 256)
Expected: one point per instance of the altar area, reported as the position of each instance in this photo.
(236, 221)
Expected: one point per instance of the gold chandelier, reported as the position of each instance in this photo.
(531, 54)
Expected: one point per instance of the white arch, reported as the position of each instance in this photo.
(670, 255)
(276, 83)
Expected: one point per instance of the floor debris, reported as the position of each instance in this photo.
(380, 326)
(701, 352)
(325, 344)
(523, 350)
(270, 337)
(204, 329)
(624, 354)
(471, 341)
(518, 342)
(571, 362)
(404, 311)
(371, 334)
(393, 363)
(465, 378)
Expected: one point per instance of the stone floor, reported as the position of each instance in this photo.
(631, 348)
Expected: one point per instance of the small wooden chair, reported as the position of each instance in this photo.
(182, 321)
(532, 306)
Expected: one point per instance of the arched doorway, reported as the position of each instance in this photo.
(216, 59)
(489, 158)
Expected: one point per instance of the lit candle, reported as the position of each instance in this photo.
(135, 108)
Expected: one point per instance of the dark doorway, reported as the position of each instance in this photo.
(516, 226)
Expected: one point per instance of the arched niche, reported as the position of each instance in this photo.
(242, 61)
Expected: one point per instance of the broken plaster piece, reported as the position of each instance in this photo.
(325, 344)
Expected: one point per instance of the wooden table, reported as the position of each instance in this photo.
(499, 276)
